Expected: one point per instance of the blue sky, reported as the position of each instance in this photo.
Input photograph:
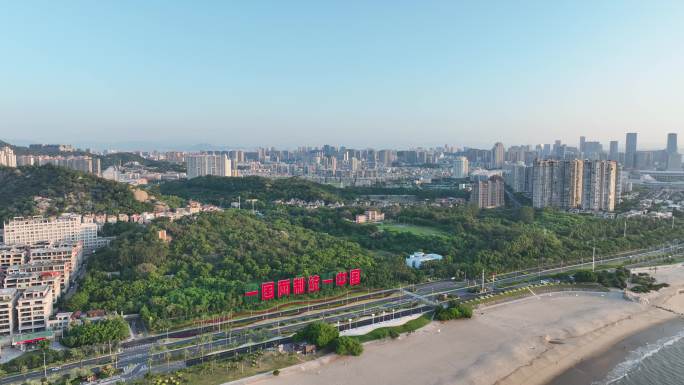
(361, 73)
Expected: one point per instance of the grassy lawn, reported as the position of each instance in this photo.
(409, 326)
(413, 229)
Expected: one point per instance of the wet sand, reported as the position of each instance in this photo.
(597, 367)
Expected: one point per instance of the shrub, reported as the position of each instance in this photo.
(276, 372)
(347, 346)
(319, 333)
(466, 311)
(585, 276)
(454, 311)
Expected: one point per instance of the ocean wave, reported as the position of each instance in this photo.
(636, 357)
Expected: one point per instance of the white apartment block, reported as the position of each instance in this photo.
(205, 164)
(20, 281)
(34, 308)
(25, 280)
(69, 253)
(8, 301)
(83, 163)
(44, 267)
(66, 228)
(12, 255)
(7, 157)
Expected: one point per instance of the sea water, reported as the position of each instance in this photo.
(657, 363)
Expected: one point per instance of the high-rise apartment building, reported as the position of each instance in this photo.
(572, 184)
(631, 150)
(498, 153)
(674, 159)
(614, 153)
(387, 157)
(599, 185)
(461, 168)
(516, 175)
(7, 157)
(557, 183)
(38, 230)
(83, 163)
(488, 193)
(205, 164)
(672, 143)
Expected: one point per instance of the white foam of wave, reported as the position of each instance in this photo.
(636, 357)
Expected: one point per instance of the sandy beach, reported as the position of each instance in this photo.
(529, 341)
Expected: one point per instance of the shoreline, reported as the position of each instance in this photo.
(532, 341)
(599, 363)
(559, 359)
(597, 366)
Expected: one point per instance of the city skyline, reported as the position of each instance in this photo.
(356, 73)
(668, 140)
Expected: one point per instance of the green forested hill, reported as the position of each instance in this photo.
(222, 191)
(205, 267)
(67, 190)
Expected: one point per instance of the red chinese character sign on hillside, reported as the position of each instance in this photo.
(283, 288)
(328, 280)
(301, 285)
(314, 283)
(341, 278)
(267, 291)
(298, 285)
(355, 277)
(251, 292)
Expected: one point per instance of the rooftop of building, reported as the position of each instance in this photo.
(40, 218)
(37, 289)
(7, 292)
(421, 255)
(20, 274)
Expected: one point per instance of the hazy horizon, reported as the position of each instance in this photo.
(380, 74)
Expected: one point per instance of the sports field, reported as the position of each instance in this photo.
(414, 229)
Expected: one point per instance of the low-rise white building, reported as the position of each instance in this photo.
(416, 259)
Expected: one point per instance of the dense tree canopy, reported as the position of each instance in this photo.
(67, 191)
(109, 330)
(209, 262)
(222, 191)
